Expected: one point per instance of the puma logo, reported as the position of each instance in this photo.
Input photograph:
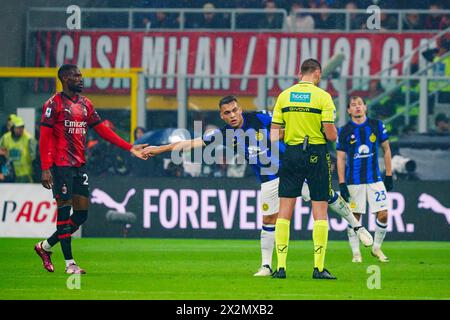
(101, 197)
(429, 202)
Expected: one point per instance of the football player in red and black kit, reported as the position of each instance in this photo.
(66, 117)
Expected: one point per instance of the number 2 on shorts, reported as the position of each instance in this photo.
(86, 179)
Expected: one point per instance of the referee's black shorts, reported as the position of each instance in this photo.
(314, 164)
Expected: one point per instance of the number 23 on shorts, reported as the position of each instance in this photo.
(380, 196)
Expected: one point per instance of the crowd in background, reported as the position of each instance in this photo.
(301, 21)
(19, 154)
(20, 160)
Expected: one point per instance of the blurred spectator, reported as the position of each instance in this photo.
(162, 21)
(356, 20)
(445, 22)
(325, 20)
(388, 21)
(313, 4)
(271, 20)
(442, 124)
(433, 20)
(297, 21)
(208, 20)
(104, 158)
(441, 68)
(7, 125)
(138, 133)
(174, 170)
(21, 150)
(412, 21)
(6, 167)
(146, 23)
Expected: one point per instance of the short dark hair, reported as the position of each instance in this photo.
(354, 98)
(227, 100)
(62, 71)
(309, 66)
(441, 117)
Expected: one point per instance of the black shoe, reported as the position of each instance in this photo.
(325, 274)
(280, 274)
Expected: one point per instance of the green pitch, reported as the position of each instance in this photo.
(171, 269)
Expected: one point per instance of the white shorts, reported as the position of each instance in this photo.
(373, 193)
(270, 202)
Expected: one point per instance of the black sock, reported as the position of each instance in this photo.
(64, 229)
(53, 239)
(78, 218)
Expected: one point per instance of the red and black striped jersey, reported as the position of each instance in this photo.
(70, 119)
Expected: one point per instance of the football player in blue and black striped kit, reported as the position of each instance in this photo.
(360, 179)
(248, 134)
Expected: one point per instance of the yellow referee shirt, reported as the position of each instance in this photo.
(301, 109)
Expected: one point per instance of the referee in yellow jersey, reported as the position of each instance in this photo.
(307, 114)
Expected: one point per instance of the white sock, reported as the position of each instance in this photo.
(380, 233)
(69, 262)
(338, 205)
(353, 240)
(267, 243)
(46, 246)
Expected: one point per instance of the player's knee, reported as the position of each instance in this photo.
(382, 216)
(270, 219)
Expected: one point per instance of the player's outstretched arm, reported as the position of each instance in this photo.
(138, 151)
(106, 133)
(152, 151)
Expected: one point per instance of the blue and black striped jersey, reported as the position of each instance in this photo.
(361, 143)
(254, 139)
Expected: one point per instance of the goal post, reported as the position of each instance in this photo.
(131, 73)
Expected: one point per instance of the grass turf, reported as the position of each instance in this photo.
(170, 269)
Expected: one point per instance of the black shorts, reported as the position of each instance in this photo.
(314, 164)
(68, 181)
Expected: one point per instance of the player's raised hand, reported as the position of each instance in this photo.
(138, 149)
(47, 179)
